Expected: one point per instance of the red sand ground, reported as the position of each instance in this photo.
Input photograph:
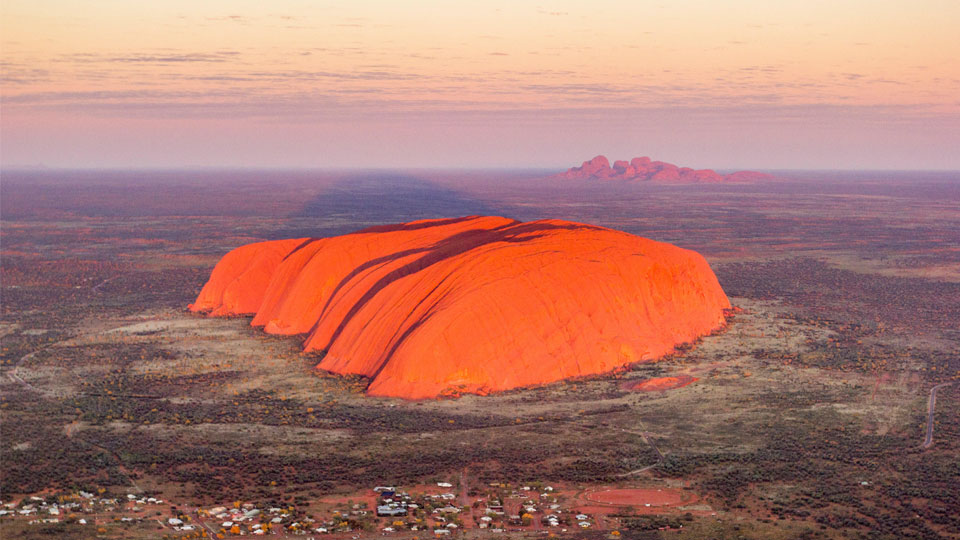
(474, 304)
(609, 501)
(637, 497)
(369, 498)
(660, 383)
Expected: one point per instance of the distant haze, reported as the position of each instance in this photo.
(493, 83)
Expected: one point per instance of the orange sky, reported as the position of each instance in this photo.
(753, 83)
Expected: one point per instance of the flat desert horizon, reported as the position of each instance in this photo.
(805, 415)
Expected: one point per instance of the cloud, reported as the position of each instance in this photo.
(230, 18)
(245, 19)
(22, 74)
(565, 88)
(763, 69)
(360, 75)
(279, 102)
(155, 58)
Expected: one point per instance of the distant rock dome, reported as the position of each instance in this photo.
(642, 169)
(473, 304)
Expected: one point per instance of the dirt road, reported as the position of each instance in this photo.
(931, 405)
(655, 449)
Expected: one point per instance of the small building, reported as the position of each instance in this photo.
(391, 511)
(447, 510)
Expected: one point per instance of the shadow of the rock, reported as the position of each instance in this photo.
(381, 198)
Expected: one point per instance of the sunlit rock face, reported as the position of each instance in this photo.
(239, 281)
(474, 304)
(643, 169)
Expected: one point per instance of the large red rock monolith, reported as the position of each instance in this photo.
(472, 305)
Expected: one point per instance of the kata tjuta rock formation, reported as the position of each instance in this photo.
(642, 169)
(474, 304)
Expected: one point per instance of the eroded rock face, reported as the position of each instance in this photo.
(472, 305)
(643, 169)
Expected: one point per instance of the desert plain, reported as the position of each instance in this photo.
(809, 415)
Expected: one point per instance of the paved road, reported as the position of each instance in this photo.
(931, 404)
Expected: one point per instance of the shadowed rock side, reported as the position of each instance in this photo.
(475, 304)
(642, 169)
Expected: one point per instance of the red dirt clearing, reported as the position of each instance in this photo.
(637, 497)
(660, 383)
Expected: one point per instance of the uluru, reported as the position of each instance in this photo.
(643, 169)
(473, 304)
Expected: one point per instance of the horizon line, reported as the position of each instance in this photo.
(518, 168)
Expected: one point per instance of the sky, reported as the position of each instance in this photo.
(761, 84)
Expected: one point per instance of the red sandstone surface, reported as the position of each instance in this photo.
(643, 169)
(472, 305)
(661, 383)
(239, 281)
